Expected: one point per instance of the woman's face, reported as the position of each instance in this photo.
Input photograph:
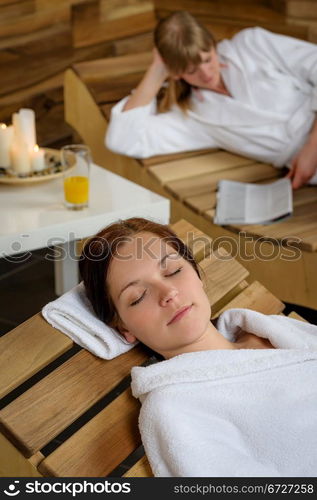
(207, 74)
(158, 296)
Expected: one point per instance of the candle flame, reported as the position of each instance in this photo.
(36, 148)
(3, 125)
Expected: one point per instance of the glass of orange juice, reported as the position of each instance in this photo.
(76, 160)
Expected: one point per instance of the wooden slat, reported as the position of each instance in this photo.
(15, 78)
(209, 214)
(140, 469)
(113, 78)
(50, 84)
(33, 22)
(199, 243)
(294, 315)
(302, 225)
(106, 109)
(221, 274)
(245, 10)
(227, 28)
(27, 349)
(310, 273)
(257, 298)
(113, 67)
(278, 172)
(123, 23)
(133, 44)
(308, 239)
(110, 10)
(200, 165)
(202, 202)
(158, 159)
(98, 447)
(304, 195)
(234, 292)
(192, 186)
(226, 18)
(13, 10)
(301, 9)
(212, 213)
(116, 89)
(34, 419)
(13, 463)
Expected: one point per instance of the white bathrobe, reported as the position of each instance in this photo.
(273, 81)
(234, 413)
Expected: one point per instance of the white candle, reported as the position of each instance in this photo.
(18, 132)
(38, 159)
(27, 124)
(6, 138)
(20, 158)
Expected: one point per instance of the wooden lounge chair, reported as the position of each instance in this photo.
(65, 412)
(190, 179)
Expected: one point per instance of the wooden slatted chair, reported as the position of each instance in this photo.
(189, 180)
(65, 412)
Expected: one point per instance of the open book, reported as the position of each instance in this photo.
(243, 203)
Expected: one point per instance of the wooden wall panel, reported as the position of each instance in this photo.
(14, 9)
(39, 39)
(227, 17)
(31, 23)
(38, 42)
(100, 21)
(304, 9)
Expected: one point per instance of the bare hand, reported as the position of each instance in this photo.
(304, 166)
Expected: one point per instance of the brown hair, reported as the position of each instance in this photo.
(100, 249)
(180, 38)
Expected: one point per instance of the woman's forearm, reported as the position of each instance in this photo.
(312, 138)
(304, 164)
(149, 85)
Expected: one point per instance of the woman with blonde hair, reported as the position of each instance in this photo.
(237, 398)
(254, 95)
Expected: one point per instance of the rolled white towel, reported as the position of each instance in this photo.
(72, 314)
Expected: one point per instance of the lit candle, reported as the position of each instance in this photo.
(38, 159)
(20, 158)
(6, 137)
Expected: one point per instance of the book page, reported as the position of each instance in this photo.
(246, 203)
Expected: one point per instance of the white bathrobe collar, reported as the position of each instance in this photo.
(213, 366)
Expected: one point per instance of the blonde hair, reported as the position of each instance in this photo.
(180, 38)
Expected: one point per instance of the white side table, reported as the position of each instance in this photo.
(33, 216)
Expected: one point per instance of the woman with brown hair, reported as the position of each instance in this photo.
(223, 402)
(254, 95)
(175, 291)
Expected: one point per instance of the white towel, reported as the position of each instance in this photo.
(72, 314)
(234, 413)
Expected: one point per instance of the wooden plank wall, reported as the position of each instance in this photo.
(39, 39)
(227, 17)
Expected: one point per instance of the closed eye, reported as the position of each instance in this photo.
(137, 301)
(175, 272)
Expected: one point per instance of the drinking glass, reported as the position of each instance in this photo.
(76, 160)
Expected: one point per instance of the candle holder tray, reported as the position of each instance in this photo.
(53, 170)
